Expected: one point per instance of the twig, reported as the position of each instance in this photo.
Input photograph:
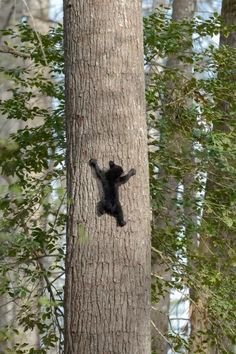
(8, 50)
(162, 335)
(48, 284)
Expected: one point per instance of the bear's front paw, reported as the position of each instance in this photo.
(133, 172)
(92, 162)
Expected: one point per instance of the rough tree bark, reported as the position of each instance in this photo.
(107, 267)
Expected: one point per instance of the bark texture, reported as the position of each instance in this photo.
(107, 267)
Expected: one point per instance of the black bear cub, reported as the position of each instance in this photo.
(111, 179)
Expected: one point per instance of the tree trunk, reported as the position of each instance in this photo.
(183, 9)
(107, 286)
(201, 322)
(170, 216)
(11, 13)
(228, 12)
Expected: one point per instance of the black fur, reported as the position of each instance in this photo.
(111, 179)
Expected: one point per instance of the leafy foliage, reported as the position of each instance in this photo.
(192, 108)
(32, 197)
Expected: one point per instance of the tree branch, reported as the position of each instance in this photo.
(7, 50)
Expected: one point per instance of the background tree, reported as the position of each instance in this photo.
(107, 267)
(31, 161)
(228, 12)
(11, 14)
(195, 268)
(169, 220)
(217, 241)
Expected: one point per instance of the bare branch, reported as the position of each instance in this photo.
(162, 335)
(8, 50)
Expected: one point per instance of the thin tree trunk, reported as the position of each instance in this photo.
(228, 12)
(107, 286)
(11, 13)
(200, 321)
(170, 215)
(183, 9)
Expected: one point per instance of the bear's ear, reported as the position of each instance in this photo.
(111, 164)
